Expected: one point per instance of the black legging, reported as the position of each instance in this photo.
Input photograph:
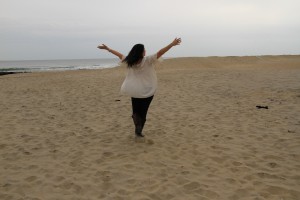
(140, 106)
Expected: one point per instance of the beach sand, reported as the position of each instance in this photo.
(69, 135)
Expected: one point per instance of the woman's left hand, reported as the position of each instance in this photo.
(103, 46)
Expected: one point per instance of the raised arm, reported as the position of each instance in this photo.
(175, 42)
(116, 53)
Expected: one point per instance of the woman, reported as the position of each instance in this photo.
(141, 81)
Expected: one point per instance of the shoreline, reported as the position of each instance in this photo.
(210, 61)
(10, 73)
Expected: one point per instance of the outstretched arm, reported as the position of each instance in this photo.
(116, 53)
(175, 42)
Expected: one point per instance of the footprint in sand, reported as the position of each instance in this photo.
(269, 176)
(191, 186)
(31, 178)
(198, 188)
(139, 140)
(107, 154)
(150, 142)
(272, 165)
(143, 140)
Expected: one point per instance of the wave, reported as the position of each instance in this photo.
(56, 65)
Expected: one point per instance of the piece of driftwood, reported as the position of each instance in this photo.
(262, 107)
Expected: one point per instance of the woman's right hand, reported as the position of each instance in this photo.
(176, 41)
(103, 46)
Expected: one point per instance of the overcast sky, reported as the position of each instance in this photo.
(70, 29)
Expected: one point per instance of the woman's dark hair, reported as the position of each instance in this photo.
(135, 55)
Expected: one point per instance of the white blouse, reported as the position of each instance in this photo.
(141, 80)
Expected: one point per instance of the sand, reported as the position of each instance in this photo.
(69, 135)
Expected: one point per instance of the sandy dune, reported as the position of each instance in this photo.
(69, 135)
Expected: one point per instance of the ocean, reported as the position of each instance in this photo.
(56, 65)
